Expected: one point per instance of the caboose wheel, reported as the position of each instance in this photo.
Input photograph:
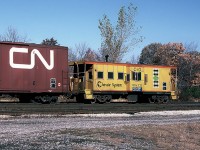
(100, 98)
(151, 100)
(160, 99)
(108, 98)
(166, 99)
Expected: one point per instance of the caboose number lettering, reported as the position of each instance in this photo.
(32, 64)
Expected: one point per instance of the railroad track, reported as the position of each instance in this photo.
(77, 108)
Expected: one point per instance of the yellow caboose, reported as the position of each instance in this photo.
(104, 81)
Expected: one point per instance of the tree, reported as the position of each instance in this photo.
(116, 41)
(71, 55)
(81, 49)
(149, 54)
(191, 47)
(83, 53)
(90, 55)
(50, 41)
(133, 60)
(190, 65)
(12, 35)
(161, 54)
(189, 74)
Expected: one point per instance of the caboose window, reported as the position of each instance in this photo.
(100, 75)
(139, 76)
(155, 72)
(120, 75)
(90, 74)
(136, 76)
(155, 78)
(156, 84)
(110, 75)
(164, 86)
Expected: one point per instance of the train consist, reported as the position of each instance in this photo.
(41, 73)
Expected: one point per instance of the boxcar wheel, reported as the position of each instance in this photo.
(45, 99)
(54, 99)
(93, 101)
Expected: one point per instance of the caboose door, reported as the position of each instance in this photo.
(127, 79)
(89, 79)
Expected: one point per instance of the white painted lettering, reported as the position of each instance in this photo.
(32, 64)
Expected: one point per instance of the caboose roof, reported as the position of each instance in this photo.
(118, 64)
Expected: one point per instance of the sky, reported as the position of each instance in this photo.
(72, 22)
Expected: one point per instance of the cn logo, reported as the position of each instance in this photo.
(33, 53)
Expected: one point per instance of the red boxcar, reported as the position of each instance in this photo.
(34, 70)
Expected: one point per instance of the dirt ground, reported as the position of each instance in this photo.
(176, 136)
(180, 136)
(156, 137)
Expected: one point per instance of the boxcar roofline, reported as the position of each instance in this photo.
(31, 44)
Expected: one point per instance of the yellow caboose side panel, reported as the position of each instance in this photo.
(157, 79)
(110, 68)
(136, 78)
(109, 77)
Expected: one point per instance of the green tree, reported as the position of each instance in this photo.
(118, 40)
(50, 41)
